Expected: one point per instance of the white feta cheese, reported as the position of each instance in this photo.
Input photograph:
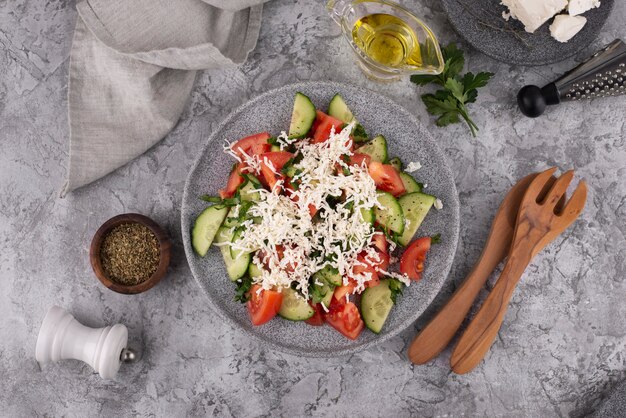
(565, 27)
(534, 13)
(413, 166)
(438, 204)
(577, 7)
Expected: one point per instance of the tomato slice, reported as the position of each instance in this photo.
(325, 125)
(386, 178)
(277, 159)
(234, 181)
(346, 319)
(318, 317)
(252, 145)
(264, 305)
(412, 261)
(341, 291)
(359, 159)
(380, 242)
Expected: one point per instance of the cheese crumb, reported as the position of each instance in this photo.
(413, 166)
(438, 204)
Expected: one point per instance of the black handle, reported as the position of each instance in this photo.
(533, 100)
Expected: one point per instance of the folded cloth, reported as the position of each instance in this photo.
(132, 68)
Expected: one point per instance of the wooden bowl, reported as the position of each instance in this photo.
(164, 253)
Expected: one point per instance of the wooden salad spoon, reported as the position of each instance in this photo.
(438, 333)
(539, 222)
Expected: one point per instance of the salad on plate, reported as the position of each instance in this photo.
(309, 221)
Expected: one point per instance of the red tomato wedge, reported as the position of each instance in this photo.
(318, 317)
(325, 125)
(412, 261)
(234, 181)
(359, 159)
(277, 159)
(346, 319)
(252, 145)
(380, 242)
(264, 305)
(386, 178)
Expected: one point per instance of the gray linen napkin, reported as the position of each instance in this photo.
(132, 68)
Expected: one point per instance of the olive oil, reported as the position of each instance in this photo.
(388, 40)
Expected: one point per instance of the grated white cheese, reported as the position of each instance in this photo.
(413, 167)
(307, 246)
(438, 204)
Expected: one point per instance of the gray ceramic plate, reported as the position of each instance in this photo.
(475, 21)
(407, 139)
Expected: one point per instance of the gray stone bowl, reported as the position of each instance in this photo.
(477, 20)
(407, 139)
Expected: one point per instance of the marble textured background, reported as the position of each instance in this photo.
(561, 349)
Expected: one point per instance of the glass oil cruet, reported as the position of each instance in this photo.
(387, 39)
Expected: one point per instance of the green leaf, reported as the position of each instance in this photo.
(454, 61)
(422, 80)
(211, 199)
(448, 118)
(242, 290)
(456, 88)
(471, 81)
(396, 287)
(435, 239)
(359, 131)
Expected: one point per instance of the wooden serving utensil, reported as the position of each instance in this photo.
(539, 221)
(438, 333)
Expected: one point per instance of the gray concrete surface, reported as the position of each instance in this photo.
(564, 340)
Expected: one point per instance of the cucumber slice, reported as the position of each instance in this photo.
(337, 108)
(376, 303)
(368, 215)
(294, 307)
(396, 163)
(415, 206)
(410, 185)
(390, 216)
(236, 266)
(329, 275)
(275, 148)
(323, 294)
(253, 270)
(246, 192)
(376, 149)
(302, 116)
(205, 227)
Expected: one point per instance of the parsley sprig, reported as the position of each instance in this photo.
(450, 103)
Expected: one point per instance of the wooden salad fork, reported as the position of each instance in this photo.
(438, 333)
(539, 221)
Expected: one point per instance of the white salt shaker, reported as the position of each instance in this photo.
(63, 337)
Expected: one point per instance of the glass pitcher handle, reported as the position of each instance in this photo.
(337, 9)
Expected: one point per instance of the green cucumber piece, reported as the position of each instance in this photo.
(294, 307)
(410, 185)
(246, 192)
(236, 266)
(205, 227)
(337, 108)
(275, 148)
(390, 216)
(376, 303)
(415, 206)
(323, 293)
(396, 163)
(254, 271)
(329, 275)
(302, 116)
(368, 215)
(376, 149)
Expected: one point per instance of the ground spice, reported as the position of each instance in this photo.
(130, 253)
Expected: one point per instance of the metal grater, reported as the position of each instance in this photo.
(602, 75)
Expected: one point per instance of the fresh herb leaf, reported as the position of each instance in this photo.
(359, 132)
(435, 239)
(242, 290)
(450, 102)
(211, 199)
(273, 141)
(318, 292)
(396, 287)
